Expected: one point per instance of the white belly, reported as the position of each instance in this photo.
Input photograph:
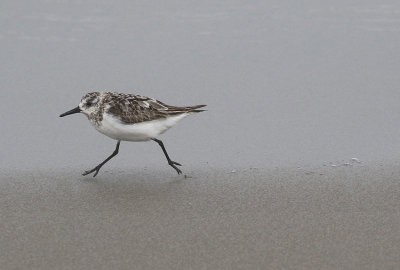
(112, 127)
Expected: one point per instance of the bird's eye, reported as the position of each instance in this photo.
(89, 103)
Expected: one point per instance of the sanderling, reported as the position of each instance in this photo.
(127, 117)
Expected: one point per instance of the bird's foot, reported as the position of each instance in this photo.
(95, 169)
(173, 163)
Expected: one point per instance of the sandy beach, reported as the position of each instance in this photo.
(295, 164)
(293, 218)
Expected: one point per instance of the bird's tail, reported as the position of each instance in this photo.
(195, 108)
(188, 109)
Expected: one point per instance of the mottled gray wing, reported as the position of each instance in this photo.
(133, 109)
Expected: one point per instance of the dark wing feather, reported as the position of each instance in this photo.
(133, 109)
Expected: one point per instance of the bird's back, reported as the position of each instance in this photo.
(132, 109)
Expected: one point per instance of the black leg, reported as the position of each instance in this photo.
(97, 168)
(170, 162)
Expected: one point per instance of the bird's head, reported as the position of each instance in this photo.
(88, 104)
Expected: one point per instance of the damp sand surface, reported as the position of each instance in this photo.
(284, 218)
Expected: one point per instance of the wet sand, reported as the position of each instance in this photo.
(315, 218)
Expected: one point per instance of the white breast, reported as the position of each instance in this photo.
(114, 128)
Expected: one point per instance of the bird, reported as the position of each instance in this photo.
(130, 117)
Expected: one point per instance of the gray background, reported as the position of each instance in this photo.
(286, 82)
(295, 90)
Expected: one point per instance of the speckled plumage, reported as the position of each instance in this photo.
(135, 108)
(132, 109)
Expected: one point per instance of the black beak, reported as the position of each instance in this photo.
(75, 110)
